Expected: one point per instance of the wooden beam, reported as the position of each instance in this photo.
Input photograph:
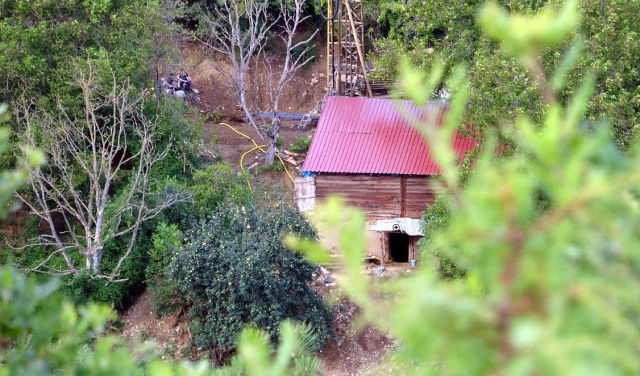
(358, 48)
(412, 247)
(403, 196)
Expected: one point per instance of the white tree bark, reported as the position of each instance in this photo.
(109, 142)
(239, 30)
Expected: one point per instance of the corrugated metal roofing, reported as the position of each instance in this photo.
(376, 136)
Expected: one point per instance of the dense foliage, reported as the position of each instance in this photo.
(234, 271)
(217, 185)
(47, 48)
(41, 335)
(435, 218)
(42, 41)
(430, 32)
(13, 179)
(300, 144)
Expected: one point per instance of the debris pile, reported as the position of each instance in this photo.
(323, 277)
(294, 159)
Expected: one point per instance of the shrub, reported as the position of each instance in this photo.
(32, 315)
(84, 288)
(41, 334)
(276, 167)
(215, 185)
(165, 297)
(435, 218)
(300, 144)
(166, 240)
(235, 271)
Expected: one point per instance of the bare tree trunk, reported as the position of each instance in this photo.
(271, 152)
(272, 141)
(239, 30)
(96, 263)
(86, 155)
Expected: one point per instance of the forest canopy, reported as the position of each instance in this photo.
(606, 43)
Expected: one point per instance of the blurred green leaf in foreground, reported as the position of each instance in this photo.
(40, 335)
(549, 238)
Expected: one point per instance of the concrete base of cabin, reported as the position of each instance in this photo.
(390, 246)
(393, 246)
(397, 238)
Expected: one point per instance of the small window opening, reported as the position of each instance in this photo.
(398, 247)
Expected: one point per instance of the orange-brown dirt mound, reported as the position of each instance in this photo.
(170, 336)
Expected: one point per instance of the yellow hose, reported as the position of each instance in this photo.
(286, 169)
(257, 147)
(247, 152)
(240, 133)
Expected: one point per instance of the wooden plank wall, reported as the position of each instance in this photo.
(421, 191)
(379, 196)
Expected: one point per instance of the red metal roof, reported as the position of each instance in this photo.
(375, 136)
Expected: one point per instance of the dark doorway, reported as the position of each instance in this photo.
(398, 247)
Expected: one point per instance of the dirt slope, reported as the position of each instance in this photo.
(353, 352)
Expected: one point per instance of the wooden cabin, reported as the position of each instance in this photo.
(371, 152)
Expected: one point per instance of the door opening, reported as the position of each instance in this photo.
(399, 247)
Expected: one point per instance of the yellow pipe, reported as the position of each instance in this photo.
(257, 147)
(247, 152)
(286, 169)
(242, 159)
(240, 133)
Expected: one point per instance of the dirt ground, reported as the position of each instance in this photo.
(218, 100)
(209, 75)
(353, 352)
(170, 338)
(230, 146)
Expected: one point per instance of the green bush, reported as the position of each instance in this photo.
(276, 167)
(42, 335)
(165, 296)
(166, 240)
(434, 219)
(183, 134)
(300, 144)
(217, 184)
(84, 288)
(235, 272)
